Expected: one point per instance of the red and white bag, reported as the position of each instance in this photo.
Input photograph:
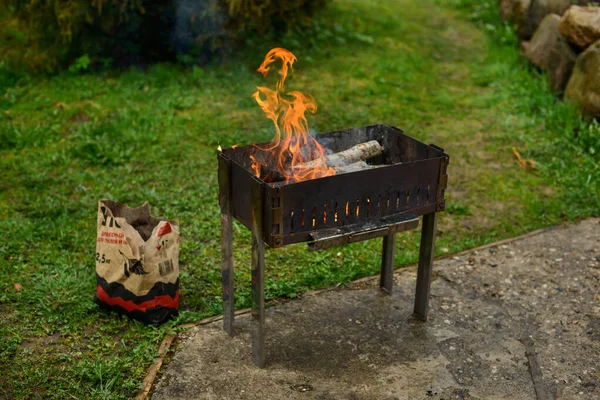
(137, 263)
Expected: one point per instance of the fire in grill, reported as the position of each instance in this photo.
(408, 180)
(376, 182)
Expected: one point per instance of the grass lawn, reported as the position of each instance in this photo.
(446, 72)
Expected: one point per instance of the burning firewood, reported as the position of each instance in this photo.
(360, 152)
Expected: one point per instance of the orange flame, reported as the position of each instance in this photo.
(292, 144)
(255, 165)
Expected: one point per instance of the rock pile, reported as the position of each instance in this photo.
(564, 40)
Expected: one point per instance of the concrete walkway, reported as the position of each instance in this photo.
(514, 321)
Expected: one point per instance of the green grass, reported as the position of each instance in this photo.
(446, 74)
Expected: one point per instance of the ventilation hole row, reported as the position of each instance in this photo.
(315, 220)
(403, 200)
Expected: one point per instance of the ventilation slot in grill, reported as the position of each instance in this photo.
(335, 213)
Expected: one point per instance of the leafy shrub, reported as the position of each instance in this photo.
(51, 34)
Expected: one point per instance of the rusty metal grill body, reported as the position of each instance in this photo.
(409, 182)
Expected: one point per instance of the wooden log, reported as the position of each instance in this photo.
(357, 166)
(360, 152)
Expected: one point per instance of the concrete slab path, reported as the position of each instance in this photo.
(514, 321)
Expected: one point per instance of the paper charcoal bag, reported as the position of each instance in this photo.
(137, 262)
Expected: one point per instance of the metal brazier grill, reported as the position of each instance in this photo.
(406, 181)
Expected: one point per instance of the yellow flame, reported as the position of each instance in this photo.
(292, 144)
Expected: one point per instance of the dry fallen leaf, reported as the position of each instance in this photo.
(60, 104)
(523, 162)
(18, 287)
(520, 160)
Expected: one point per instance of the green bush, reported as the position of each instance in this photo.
(47, 35)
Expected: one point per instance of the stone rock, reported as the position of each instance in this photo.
(520, 9)
(544, 39)
(539, 9)
(581, 25)
(560, 64)
(584, 85)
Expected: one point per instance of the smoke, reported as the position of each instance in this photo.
(326, 142)
(199, 28)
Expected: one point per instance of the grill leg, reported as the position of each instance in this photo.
(425, 265)
(258, 278)
(226, 244)
(386, 279)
